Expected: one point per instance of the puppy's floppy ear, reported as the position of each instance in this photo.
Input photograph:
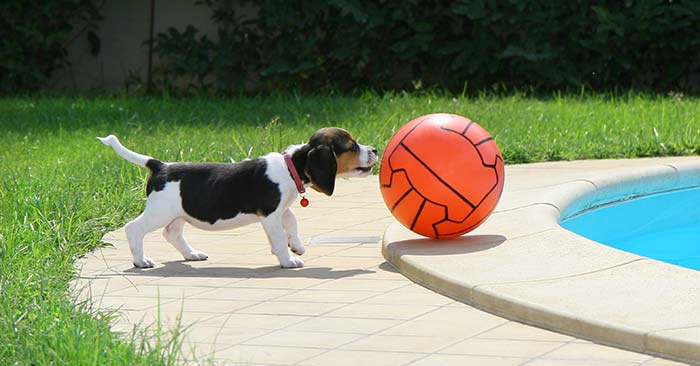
(321, 168)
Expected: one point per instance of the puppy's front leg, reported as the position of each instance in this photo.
(274, 229)
(289, 220)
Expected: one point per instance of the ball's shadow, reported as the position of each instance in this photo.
(461, 245)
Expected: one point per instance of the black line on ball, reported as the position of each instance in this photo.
(437, 176)
(401, 199)
(467, 128)
(484, 141)
(415, 219)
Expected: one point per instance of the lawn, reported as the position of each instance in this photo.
(61, 189)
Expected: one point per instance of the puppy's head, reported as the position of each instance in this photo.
(333, 152)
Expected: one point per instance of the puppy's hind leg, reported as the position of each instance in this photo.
(137, 229)
(173, 233)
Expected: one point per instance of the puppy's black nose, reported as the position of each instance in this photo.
(374, 150)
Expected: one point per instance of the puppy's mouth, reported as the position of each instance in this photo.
(363, 171)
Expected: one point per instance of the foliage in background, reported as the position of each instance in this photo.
(271, 45)
(34, 36)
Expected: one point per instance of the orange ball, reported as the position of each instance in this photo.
(441, 175)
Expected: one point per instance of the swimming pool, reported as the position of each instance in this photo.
(663, 226)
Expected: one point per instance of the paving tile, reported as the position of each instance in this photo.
(591, 352)
(413, 288)
(284, 283)
(499, 347)
(345, 262)
(347, 284)
(353, 232)
(384, 271)
(290, 308)
(242, 293)
(251, 355)
(172, 319)
(163, 292)
(381, 311)
(206, 305)
(222, 336)
(127, 278)
(346, 325)
(122, 303)
(462, 360)
(400, 343)
(318, 250)
(448, 322)
(312, 295)
(544, 362)
(195, 281)
(395, 298)
(518, 331)
(293, 338)
(369, 252)
(319, 273)
(257, 321)
(354, 358)
(663, 362)
(255, 258)
(352, 241)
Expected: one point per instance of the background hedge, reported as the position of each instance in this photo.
(456, 44)
(346, 45)
(34, 38)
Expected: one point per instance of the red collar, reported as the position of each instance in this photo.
(297, 180)
(293, 172)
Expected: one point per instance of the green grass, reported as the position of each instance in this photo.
(60, 189)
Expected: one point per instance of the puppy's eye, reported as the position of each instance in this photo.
(355, 146)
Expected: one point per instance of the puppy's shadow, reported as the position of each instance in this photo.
(181, 269)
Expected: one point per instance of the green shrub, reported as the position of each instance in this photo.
(34, 37)
(455, 44)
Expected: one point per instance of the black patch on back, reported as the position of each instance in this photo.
(212, 191)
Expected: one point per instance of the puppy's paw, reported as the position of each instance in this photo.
(292, 262)
(196, 255)
(144, 262)
(297, 247)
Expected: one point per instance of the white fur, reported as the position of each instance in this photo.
(125, 153)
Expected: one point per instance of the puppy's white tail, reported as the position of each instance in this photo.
(125, 153)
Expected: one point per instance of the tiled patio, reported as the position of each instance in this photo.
(347, 306)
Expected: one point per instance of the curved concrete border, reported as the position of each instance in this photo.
(520, 264)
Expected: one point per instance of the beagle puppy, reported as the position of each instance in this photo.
(220, 196)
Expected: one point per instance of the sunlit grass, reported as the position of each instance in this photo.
(61, 190)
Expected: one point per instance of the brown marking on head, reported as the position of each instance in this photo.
(348, 161)
(344, 146)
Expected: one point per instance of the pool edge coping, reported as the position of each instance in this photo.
(607, 187)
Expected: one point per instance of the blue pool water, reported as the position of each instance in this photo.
(662, 226)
